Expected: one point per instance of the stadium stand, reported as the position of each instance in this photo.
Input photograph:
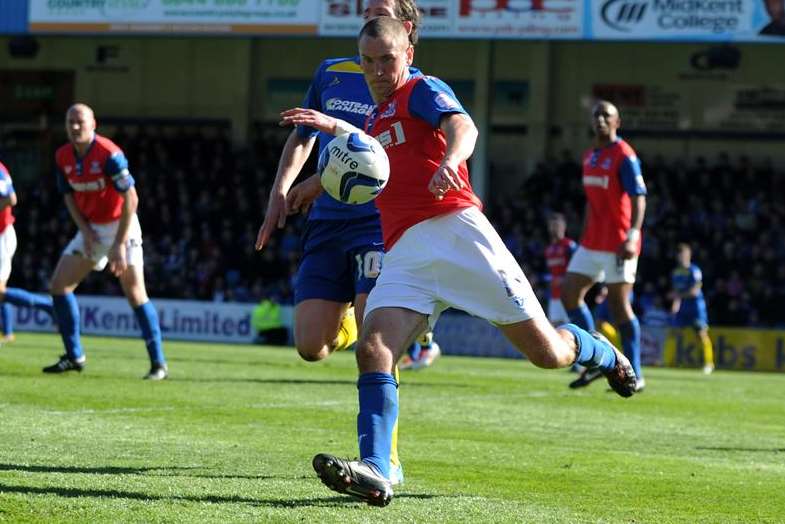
(728, 210)
(189, 174)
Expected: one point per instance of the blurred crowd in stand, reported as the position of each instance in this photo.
(202, 201)
(730, 211)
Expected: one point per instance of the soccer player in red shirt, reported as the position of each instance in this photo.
(12, 295)
(441, 251)
(99, 192)
(342, 244)
(557, 255)
(611, 240)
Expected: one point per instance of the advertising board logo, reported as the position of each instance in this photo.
(622, 14)
(674, 16)
(470, 7)
(121, 9)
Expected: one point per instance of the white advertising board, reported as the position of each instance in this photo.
(524, 19)
(692, 20)
(180, 319)
(175, 16)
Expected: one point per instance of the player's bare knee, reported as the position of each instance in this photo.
(372, 355)
(310, 348)
(313, 354)
(57, 288)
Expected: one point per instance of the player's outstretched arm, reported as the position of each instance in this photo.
(295, 153)
(461, 136)
(299, 116)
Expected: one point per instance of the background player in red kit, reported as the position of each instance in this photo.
(441, 251)
(557, 256)
(12, 295)
(611, 240)
(99, 192)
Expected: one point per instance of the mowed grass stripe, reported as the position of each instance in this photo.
(230, 437)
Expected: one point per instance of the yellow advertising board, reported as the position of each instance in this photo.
(734, 348)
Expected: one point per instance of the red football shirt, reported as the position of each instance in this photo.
(95, 179)
(557, 256)
(609, 206)
(415, 149)
(6, 189)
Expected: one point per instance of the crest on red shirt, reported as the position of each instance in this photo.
(390, 111)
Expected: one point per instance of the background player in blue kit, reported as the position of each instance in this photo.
(343, 246)
(689, 306)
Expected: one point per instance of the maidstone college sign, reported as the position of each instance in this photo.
(673, 20)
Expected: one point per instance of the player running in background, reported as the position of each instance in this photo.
(557, 255)
(12, 295)
(343, 245)
(689, 306)
(611, 240)
(441, 251)
(99, 192)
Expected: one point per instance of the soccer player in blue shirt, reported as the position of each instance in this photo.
(689, 306)
(343, 245)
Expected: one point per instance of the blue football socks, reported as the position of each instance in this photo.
(592, 352)
(20, 297)
(581, 317)
(67, 313)
(147, 317)
(378, 394)
(631, 343)
(7, 316)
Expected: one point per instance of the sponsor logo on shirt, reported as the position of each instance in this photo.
(348, 106)
(596, 181)
(95, 185)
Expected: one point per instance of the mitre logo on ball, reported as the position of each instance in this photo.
(353, 168)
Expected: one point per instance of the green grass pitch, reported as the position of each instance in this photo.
(230, 438)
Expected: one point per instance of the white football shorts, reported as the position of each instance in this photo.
(455, 260)
(603, 266)
(106, 234)
(556, 312)
(7, 250)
